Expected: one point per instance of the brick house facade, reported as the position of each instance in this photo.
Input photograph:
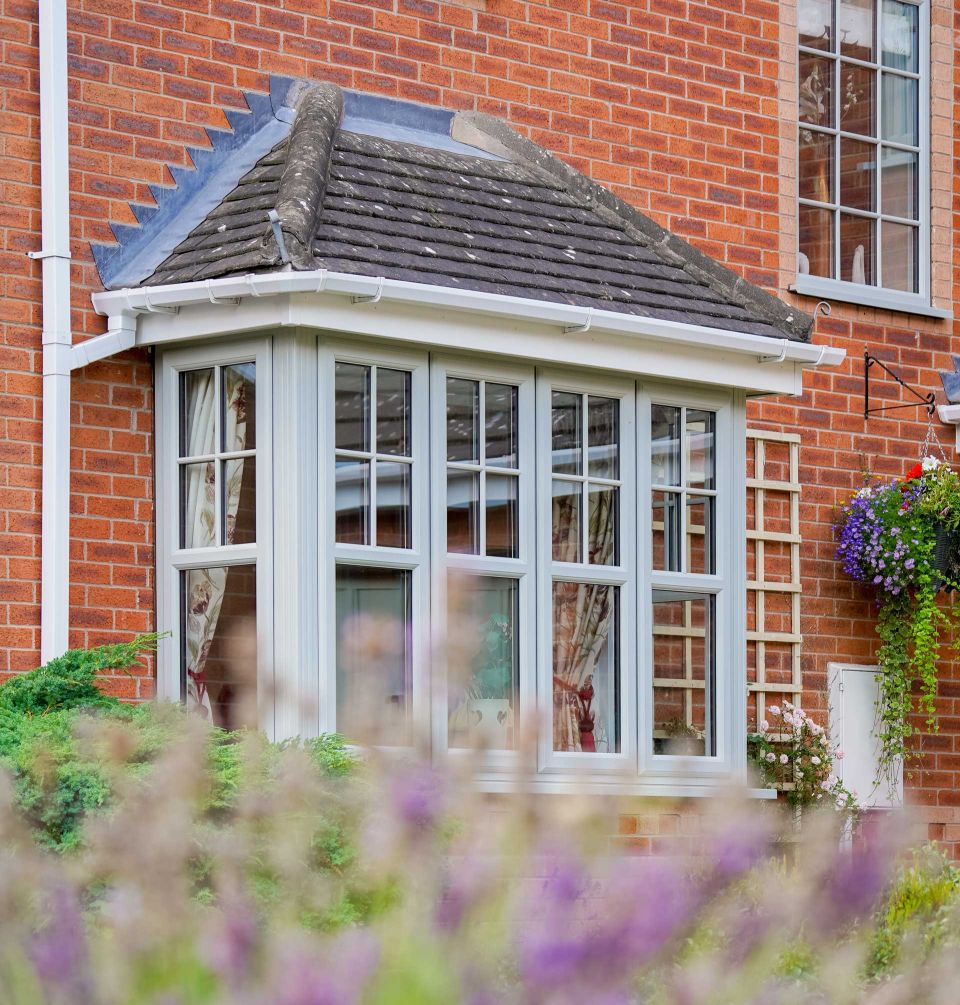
(687, 111)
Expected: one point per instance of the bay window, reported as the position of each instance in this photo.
(486, 553)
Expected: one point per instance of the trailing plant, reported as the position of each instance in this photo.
(892, 537)
(795, 753)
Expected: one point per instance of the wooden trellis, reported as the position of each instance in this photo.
(773, 586)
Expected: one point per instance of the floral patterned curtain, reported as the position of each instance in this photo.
(208, 586)
(582, 619)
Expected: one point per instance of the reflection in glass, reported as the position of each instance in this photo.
(899, 185)
(603, 504)
(586, 679)
(666, 531)
(683, 673)
(373, 654)
(700, 442)
(393, 412)
(463, 508)
(858, 173)
(352, 406)
(393, 504)
(565, 519)
(483, 682)
(900, 110)
(197, 411)
(816, 165)
(219, 644)
(857, 244)
(855, 28)
(701, 535)
(353, 501)
(239, 417)
(603, 416)
(502, 536)
(463, 406)
(815, 23)
(665, 444)
(815, 241)
(239, 502)
(899, 35)
(899, 256)
(816, 90)
(501, 425)
(567, 427)
(198, 505)
(858, 86)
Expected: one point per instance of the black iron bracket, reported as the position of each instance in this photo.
(927, 401)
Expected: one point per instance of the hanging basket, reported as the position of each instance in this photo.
(946, 558)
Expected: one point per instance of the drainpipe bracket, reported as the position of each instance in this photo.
(38, 255)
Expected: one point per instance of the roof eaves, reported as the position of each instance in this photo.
(495, 136)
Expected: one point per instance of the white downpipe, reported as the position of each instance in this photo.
(56, 337)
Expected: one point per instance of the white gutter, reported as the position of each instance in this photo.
(56, 337)
(122, 305)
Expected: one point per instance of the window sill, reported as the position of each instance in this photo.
(867, 296)
(490, 782)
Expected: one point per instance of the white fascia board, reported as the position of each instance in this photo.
(463, 319)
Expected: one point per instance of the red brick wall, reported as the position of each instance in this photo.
(682, 107)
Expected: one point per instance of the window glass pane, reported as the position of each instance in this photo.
(900, 120)
(816, 165)
(683, 675)
(815, 21)
(855, 28)
(198, 409)
(899, 35)
(373, 654)
(700, 446)
(239, 501)
(586, 680)
(701, 538)
(393, 505)
(899, 183)
(463, 405)
(604, 437)
(239, 422)
(393, 412)
(857, 99)
(219, 644)
(352, 404)
(198, 505)
(501, 425)
(816, 89)
(666, 531)
(899, 256)
(567, 425)
(483, 664)
(353, 501)
(858, 173)
(816, 242)
(665, 444)
(502, 536)
(463, 510)
(603, 504)
(565, 520)
(857, 243)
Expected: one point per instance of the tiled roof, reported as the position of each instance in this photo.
(504, 218)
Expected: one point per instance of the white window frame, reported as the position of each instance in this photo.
(522, 569)
(414, 559)
(880, 296)
(636, 769)
(172, 560)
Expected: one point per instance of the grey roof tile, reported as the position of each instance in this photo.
(525, 226)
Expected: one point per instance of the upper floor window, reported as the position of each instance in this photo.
(863, 144)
